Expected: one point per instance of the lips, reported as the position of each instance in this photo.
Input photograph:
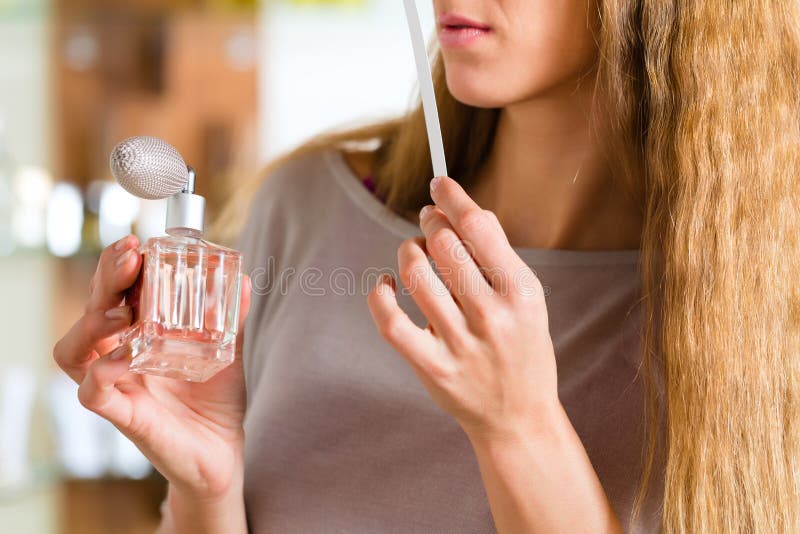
(453, 20)
(456, 31)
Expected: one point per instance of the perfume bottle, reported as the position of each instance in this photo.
(186, 300)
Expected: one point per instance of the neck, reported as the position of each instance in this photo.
(549, 182)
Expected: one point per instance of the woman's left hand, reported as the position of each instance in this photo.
(486, 356)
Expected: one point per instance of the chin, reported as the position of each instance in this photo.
(476, 89)
(480, 87)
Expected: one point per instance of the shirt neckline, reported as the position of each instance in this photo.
(403, 228)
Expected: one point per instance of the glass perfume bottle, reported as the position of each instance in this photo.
(186, 300)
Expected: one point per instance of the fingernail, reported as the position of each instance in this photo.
(435, 183)
(121, 244)
(118, 313)
(424, 212)
(386, 283)
(122, 259)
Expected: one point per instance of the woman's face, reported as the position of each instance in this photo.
(501, 52)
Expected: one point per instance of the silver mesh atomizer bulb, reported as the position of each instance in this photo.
(150, 168)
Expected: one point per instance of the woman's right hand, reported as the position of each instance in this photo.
(191, 432)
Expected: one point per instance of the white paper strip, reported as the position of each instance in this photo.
(426, 90)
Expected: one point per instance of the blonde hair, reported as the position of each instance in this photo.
(703, 97)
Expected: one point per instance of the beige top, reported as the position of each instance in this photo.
(340, 434)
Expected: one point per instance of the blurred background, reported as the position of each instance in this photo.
(229, 83)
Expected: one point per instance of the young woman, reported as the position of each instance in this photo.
(608, 337)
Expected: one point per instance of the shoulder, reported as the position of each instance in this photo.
(296, 177)
(297, 194)
(312, 175)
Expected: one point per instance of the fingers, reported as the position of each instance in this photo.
(416, 345)
(116, 271)
(427, 289)
(98, 393)
(454, 263)
(79, 347)
(496, 222)
(487, 242)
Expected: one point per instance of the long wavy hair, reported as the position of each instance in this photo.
(703, 97)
